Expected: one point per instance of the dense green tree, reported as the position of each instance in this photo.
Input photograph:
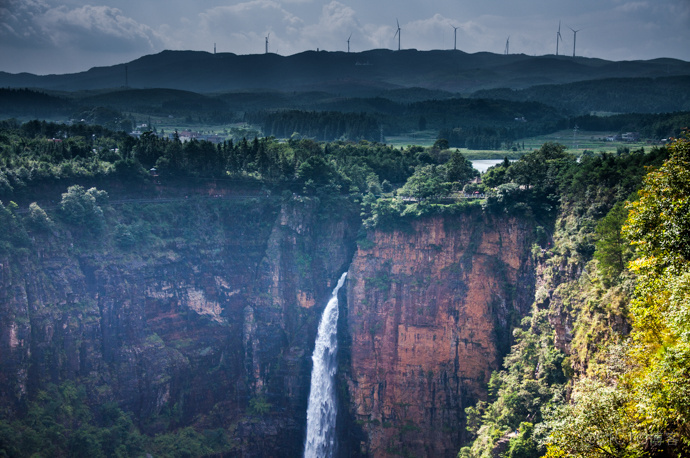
(38, 218)
(380, 213)
(59, 422)
(523, 446)
(612, 249)
(13, 235)
(497, 174)
(323, 126)
(459, 169)
(81, 207)
(539, 169)
(425, 183)
(659, 221)
(315, 169)
(658, 226)
(148, 149)
(441, 144)
(595, 424)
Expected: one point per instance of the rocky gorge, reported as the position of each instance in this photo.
(203, 313)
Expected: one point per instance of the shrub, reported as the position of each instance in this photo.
(38, 219)
(80, 207)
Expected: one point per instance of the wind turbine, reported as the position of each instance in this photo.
(558, 36)
(574, 38)
(269, 34)
(397, 32)
(348, 43)
(455, 37)
(507, 51)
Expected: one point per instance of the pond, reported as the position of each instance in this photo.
(483, 164)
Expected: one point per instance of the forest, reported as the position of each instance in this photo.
(484, 120)
(37, 152)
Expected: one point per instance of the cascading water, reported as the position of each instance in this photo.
(322, 408)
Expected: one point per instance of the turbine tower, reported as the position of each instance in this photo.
(574, 38)
(455, 37)
(507, 50)
(269, 34)
(558, 36)
(397, 32)
(348, 43)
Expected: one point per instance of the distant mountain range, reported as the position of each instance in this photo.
(349, 74)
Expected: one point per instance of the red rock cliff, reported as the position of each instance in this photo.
(429, 313)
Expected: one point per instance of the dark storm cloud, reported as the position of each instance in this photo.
(37, 24)
(60, 35)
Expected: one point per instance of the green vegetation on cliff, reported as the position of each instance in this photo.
(600, 367)
(60, 422)
(39, 153)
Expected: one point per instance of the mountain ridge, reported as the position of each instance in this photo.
(347, 73)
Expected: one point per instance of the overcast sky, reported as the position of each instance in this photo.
(49, 36)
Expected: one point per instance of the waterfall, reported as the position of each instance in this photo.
(322, 408)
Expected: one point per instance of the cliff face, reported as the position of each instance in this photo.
(208, 320)
(429, 315)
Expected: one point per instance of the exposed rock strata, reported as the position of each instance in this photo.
(429, 312)
(191, 331)
(220, 312)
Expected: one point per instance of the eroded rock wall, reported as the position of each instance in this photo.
(429, 314)
(211, 322)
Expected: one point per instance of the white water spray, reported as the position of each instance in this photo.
(322, 408)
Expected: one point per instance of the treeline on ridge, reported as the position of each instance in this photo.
(320, 126)
(37, 152)
(613, 95)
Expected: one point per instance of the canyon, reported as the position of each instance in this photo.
(210, 318)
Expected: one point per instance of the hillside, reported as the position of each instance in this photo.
(345, 73)
(621, 95)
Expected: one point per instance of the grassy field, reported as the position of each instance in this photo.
(420, 138)
(583, 140)
(170, 125)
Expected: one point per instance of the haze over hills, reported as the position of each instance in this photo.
(346, 73)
